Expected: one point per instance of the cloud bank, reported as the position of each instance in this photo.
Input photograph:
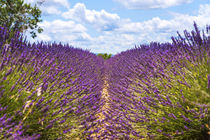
(115, 34)
(150, 4)
(101, 20)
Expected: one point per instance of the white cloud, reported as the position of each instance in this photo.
(51, 10)
(101, 20)
(204, 10)
(124, 36)
(63, 26)
(50, 7)
(64, 31)
(64, 3)
(44, 37)
(54, 7)
(147, 4)
(30, 1)
(129, 33)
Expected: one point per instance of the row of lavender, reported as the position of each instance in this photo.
(47, 91)
(161, 91)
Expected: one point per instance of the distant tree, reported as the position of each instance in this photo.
(17, 15)
(105, 55)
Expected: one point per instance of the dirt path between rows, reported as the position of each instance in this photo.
(105, 96)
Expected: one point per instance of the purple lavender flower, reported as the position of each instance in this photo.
(186, 127)
(49, 126)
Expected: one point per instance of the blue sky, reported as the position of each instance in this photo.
(113, 26)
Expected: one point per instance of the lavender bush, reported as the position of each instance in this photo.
(161, 91)
(47, 91)
(55, 91)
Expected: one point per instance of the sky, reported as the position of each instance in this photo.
(113, 26)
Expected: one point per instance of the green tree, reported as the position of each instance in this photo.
(17, 15)
(105, 55)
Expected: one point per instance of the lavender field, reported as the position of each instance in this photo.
(159, 91)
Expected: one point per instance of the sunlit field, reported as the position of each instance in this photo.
(158, 91)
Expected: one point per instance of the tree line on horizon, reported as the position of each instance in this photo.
(105, 56)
